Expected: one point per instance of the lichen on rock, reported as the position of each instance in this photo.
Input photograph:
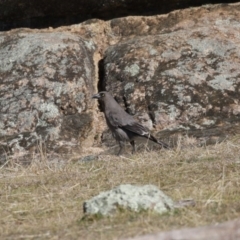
(130, 197)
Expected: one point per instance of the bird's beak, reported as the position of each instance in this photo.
(97, 96)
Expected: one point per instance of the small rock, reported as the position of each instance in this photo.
(127, 196)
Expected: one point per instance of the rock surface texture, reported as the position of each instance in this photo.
(134, 198)
(177, 72)
(46, 81)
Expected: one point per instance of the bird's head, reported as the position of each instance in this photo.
(100, 95)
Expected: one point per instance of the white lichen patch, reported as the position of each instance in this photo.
(221, 83)
(133, 69)
(135, 198)
(49, 110)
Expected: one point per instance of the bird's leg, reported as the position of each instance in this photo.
(121, 148)
(133, 146)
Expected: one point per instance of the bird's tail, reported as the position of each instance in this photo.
(163, 144)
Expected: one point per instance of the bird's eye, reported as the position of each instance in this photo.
(102, 94)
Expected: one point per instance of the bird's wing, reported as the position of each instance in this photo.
(140, 130)
(123, 120)
(137, 128)
(115, 118)
(120, 119)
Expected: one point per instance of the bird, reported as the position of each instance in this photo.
(124, 127)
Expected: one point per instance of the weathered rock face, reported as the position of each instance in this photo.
(46, 81)
(183, 78)
(51, 13)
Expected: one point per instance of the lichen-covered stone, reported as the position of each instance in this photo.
(46, 81)
(134, 198)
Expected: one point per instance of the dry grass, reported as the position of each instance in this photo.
(44, 200)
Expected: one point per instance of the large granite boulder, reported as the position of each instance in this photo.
(184, 77)
(176, 72)
(46, 81)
